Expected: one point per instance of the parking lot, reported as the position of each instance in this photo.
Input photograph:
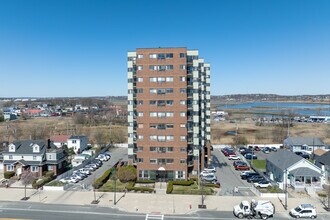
(228, 177)
(117, 154)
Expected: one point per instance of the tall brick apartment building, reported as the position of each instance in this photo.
(169, 129)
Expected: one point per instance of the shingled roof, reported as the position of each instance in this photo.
(25, 147)
(284, 159)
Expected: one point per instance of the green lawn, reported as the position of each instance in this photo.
(192, 189)
(259, 164)
(110, 186)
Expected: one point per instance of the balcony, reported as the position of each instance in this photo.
(190, 163)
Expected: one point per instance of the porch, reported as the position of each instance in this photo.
(304, 177)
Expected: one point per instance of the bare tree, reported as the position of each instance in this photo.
(26, 179)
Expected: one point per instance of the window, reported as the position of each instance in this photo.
(169, 79)
(182, 90)
(140, 102)
(140, 56)
(140, 149)
(140, 114)
(161, 114)
(169, 90)
(153, 149)
(34, 169)
(152, 56)
(183, 149)
(140, 137)
(140, 160)
(10, 157)
(169, 114)
(74, 141)
(140, 125)
(50, 167)
(152, 102)
(169, 55)
(169, 160)
(153, 91)
(182, 67)
(169, 67)
(180, 174)
(153, 161)
(34, 157)
(182, 78)
(169, 149)
(139, 67)
(161, 126)
(182, 160)
(170, 137)
(49, 157)
(10, 168)
(169, 102)
(161, 138)
(139, 91)
(182, 138)
(182, 55)
(153, 126)
(161, 79)
(140, 79)
(169, 126)
(153, 114)
(151, 67)
(183, 102)
(182, 125)
(153, 137)
(182, 114)
(161, 56)
(161, 103)
(153, 79)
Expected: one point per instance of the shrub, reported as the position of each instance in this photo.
(103, 179)
(169, 187)
(183, 182)
(145, 181)
(48, 177)
(211, 185)
(9, 174)
(126, 173)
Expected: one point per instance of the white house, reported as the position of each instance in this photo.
(285, 167)
(304, 144)
(78, 143)
(60, 140)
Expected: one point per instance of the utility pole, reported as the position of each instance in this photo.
(114, 186)
(286, 190)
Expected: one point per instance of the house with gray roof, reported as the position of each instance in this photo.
(304, 144)
(78, 143)
(323, 161)
(36, 155)
(285, 167)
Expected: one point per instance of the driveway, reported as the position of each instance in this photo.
(229, 177)
(117, 154)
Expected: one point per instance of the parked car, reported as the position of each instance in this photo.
(101, 157)
(250, 156)
(233, 157)
(273, 149)
(107, 155)
(266, 150)
(67, 180)
(303, 154)
(209, 178)
(242, 150)
(236, 162)
(91, 166)
(205, 173)
(216, 182)
(85, 171)
(263, 184)
(255, 179)
(256, 148)
(210, 169)
(77, 176)
(304, 211)
(244, 177)
(242, 166)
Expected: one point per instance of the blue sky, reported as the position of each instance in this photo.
(79, 47)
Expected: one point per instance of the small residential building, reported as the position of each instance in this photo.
(323, 161)
(78, 143)
(60, 140)
(304, 144)
(285, 167)
(36, 155)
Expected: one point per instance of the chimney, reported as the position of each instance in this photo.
(48, 143)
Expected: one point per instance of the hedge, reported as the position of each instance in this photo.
(145, 181)
(103, 179)
(49, 176)
(131, 187)
(9, 174)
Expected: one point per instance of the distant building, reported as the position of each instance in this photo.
(60, 140)
(304, 144)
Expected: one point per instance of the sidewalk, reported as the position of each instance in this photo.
(145, 202)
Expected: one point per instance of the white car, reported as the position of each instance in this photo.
(233, 157)
(304, 211)
(102, 157)
(85, 171)
(263, 184)
(210, 169)
(209, 178)
(205, 173)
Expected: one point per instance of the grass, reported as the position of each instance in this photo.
(192, 189)
(259, 164)
(110, 186)
(55, 183)
(271, 189)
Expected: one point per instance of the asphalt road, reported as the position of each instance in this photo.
(228, 176)
(117, 154)
(26, 210)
